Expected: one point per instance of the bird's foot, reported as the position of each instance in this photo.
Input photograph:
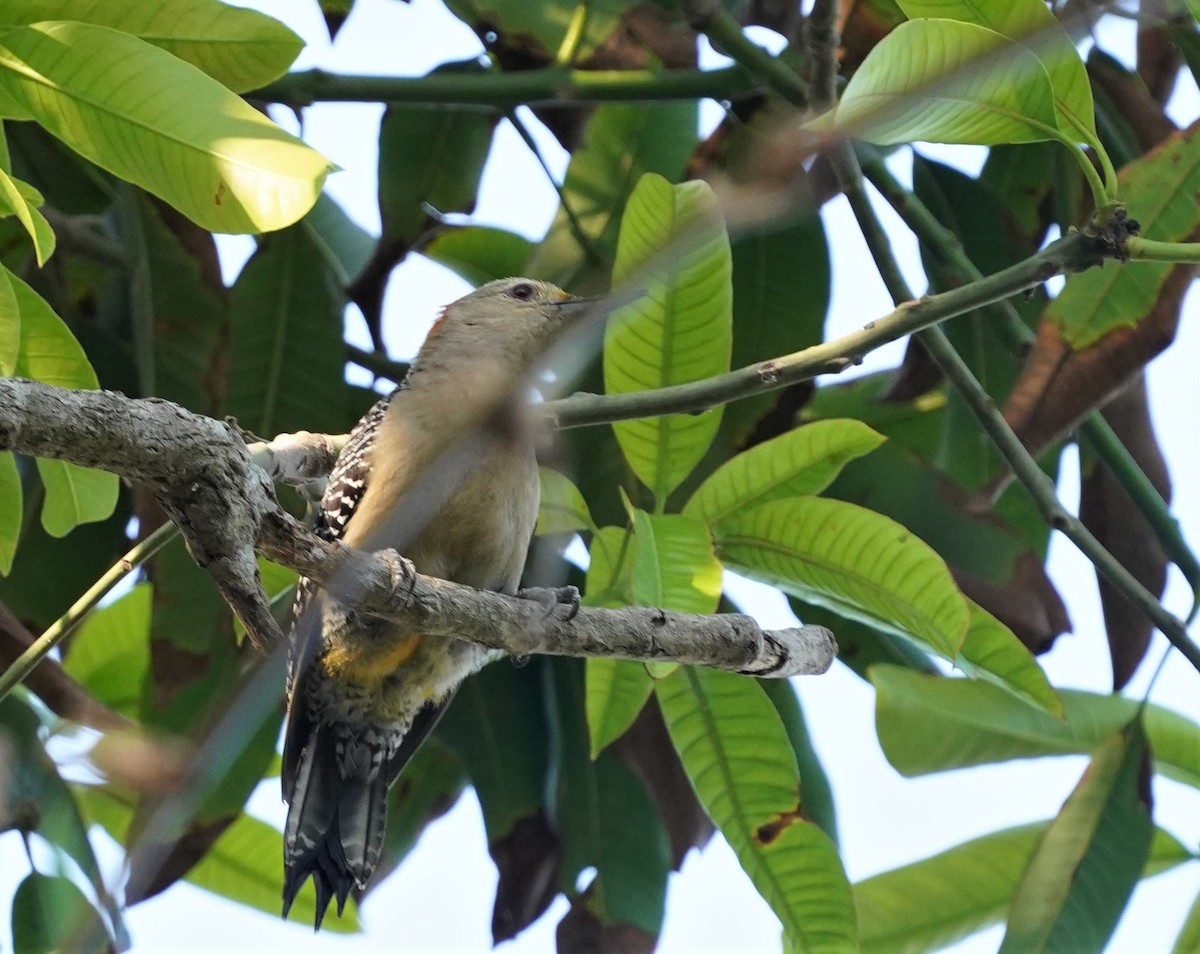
(404, 575)
(552, 597)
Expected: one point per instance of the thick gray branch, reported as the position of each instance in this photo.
(207, 480)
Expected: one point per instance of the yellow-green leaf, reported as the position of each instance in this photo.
(10, 325)
(801, 462)
(11, 508)
(23, 203)
(854, 561)
(562, 508)
(116, 100)
(737, 755)
(673, 246)
(992, 651)
(243, 49)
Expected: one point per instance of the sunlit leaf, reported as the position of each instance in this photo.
(800, 462)
(115, 100)
(10, 325)
(22, 200)
(851, 560)
(11, 508)
(740, 762)
(673, 245)
(992, 652)
(562, 508)
(241, 48)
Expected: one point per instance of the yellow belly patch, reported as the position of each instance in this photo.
(370, 664)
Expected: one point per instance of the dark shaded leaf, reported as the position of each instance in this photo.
(51, 915)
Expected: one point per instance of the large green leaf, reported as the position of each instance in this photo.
(478, 253)
(287, 353)
(947, 81)
(816, 792)
(345, 244)
(22, 200)
(1089, 859)
(616, 689)
(992, 652)
(801, 462)
(241, 48)
(11, 508)
(562, 508)
(673, 245)
(1096, 301)
(932, 903)
(931, 724)
(621, 143)
(10, 325)
(50, 914)
(110, 654)
(741, 764)
(1030, 23)
(854, 561)
(117, 100)
(50, 354)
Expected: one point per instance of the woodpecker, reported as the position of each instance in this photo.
(443, 470)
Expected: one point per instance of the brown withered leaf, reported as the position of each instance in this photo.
(647, 751)
(1108, 512)
(1158, 59)
(1028, 604)
(1058, 386)
(581, 932)
(527, 859)
(1136, 104)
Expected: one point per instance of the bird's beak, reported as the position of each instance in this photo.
(571, 308)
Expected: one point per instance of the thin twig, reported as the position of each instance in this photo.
(66, 624)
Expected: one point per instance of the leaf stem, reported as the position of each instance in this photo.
(66, 624)
(1149, 250)
(498, 90)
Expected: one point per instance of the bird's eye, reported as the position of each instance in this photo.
(522, 292)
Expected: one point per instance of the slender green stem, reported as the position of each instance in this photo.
(1074, 252)
(821, 38)
(724, 32)
(498, 90)
(1148, 250)
(1041, 489)
(378, 364)
(65, 624)
(1095, 430)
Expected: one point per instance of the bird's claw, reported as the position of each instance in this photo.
(552, 597)
(404, 576)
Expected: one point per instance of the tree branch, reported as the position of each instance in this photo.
(499, 90)
(205, 478)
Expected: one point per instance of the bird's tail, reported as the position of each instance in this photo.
(337, 815)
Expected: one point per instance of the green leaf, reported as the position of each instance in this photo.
(617, 690)
(1097, 301)
(50, 354)
(621, 143)
(345, 245)
(932, 903)
(1089, 859)
(243, 865)
(801, 462)
(931, 724)
(673, 245)
(1188, 941)
(110, 654)
(1031, 24)
(851, 560)
(10, 325)
(430, 159)
(479, 253)
(740, 762)
(947, 81)
(497, 727)
(115, 100)
(816, 792)
(992, 652)
(287, 354)
(51, 915)
(562, 508)
(243, 49)
(22, 200)
(11, 508)
(33, 787)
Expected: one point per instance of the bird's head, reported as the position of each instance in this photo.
(510, 322)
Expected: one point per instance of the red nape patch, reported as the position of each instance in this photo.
(437, 324)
